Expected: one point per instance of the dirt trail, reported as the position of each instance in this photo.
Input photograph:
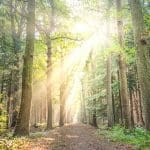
(74, 137)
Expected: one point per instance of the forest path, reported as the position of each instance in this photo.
(74, 137)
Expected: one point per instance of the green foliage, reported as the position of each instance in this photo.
(137, 136)
(61, 8)
(147, 19)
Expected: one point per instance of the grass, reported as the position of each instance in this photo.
(137, 136)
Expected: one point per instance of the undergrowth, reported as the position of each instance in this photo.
(137, 136)
(13, 144)
(8, 142)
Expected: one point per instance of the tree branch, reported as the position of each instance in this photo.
(65, 37)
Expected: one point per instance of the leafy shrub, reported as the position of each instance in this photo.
(137, 136)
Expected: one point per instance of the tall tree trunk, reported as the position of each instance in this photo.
(113, 105)
(110, 113)
(124, 92)
(131, 107)
(94, 117)
(62, 94)
(2, 87)
(62, 105)
(81, 118)
(3, 47)
(140, 106)
(119, 97)
(22, 126)
(49, 94)
(16, 33)
(142, 43)
(49, 68)
(83, 102)
(8, 121)
(122, 68)
(93, 91)
(135, 101)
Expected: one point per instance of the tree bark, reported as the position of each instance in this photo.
(22, 126)
(8, 121)
(119, 97)
(16, 33)
(131, 107)
(110, 113)
(140, 106)
(2, 87)
(49, 68)
(49, 84)
(83, 104)
(62, 94)
(135, 102)
(142, 43)
(62, 105)
(122, 68)
(94, 117)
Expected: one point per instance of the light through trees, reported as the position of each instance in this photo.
(71, 61)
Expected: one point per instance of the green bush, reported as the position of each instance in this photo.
(137, 136)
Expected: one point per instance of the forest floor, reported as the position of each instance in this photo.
(69, 137)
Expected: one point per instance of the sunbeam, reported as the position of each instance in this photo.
(72, 65)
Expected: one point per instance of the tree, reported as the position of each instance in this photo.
(16, 33)
(49, 68)
(142, 43)
(122, 67)
(62, 92)
(93, 91)
(83, 104)
(22, 126)
(110, 113)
